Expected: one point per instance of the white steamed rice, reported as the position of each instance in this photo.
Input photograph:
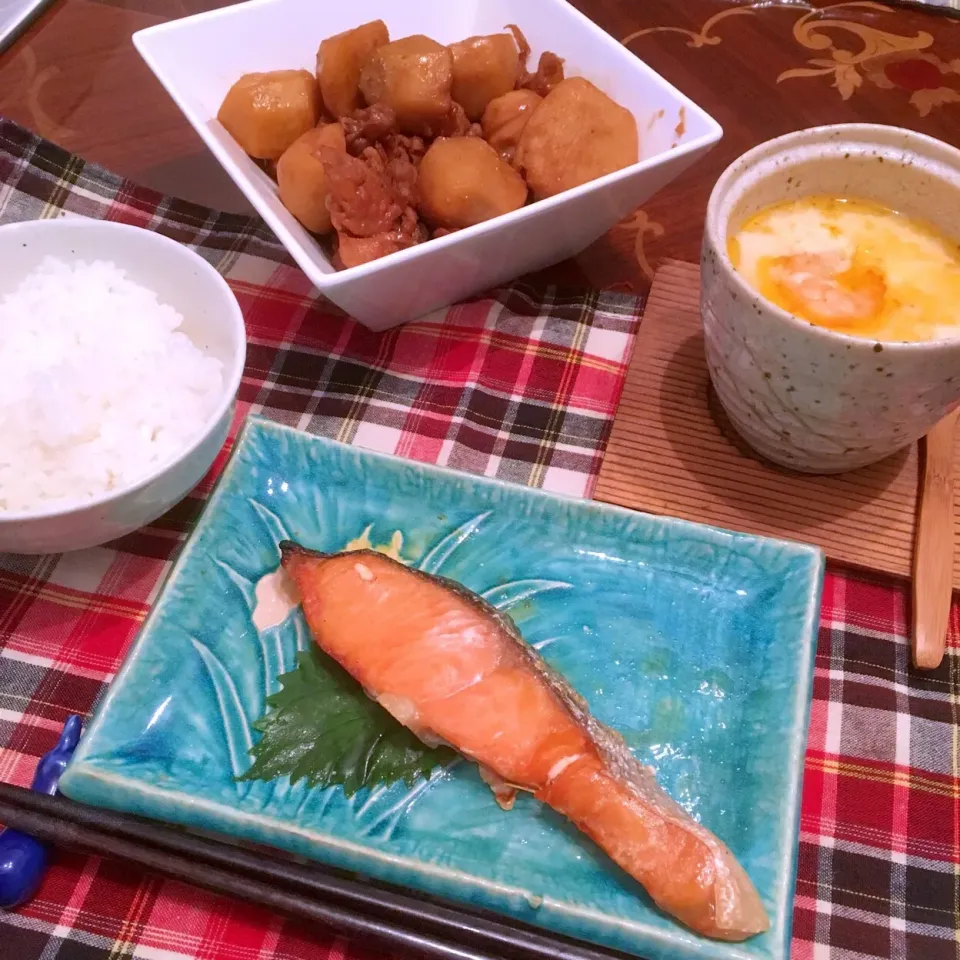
(98, 387)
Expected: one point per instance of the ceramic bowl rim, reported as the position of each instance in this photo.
(233, 372)
(919, 144)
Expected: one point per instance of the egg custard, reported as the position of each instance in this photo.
(854, 266)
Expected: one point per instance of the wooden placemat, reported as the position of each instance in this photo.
(672, 452)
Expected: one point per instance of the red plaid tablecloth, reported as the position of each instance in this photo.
(521, 385)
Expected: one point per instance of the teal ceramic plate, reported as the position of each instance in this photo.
(695, 643)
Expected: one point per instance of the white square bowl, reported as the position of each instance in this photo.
(198, 58)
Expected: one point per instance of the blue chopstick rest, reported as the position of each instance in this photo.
(23, 860)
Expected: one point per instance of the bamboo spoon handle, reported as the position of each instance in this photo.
(933, 554)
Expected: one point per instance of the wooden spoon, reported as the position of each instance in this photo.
(933, 553)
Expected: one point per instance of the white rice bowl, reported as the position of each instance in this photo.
(99, 388)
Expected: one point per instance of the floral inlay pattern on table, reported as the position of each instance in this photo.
(702, 39)
(933, 81)
(30, 89)
(888, 60)
(640, 224)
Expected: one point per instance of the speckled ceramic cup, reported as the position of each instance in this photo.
(801, 395)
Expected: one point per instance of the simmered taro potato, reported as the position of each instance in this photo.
(483, 68)
(339, 62)
(413, 77)
(266, 112)
(463, 181)
(505, 118)
(301, 179)
(576, 135)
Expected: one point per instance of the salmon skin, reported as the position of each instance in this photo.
(454, 670)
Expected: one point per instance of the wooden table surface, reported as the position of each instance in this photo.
(762, 69)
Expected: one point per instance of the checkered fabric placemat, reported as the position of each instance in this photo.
(521, 385)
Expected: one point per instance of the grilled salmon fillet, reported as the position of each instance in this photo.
(453, 669)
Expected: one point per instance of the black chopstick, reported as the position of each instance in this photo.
(311, 892)
(950, 8)
(237, 885)
(28, 14)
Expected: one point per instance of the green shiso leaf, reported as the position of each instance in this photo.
(323, 728)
